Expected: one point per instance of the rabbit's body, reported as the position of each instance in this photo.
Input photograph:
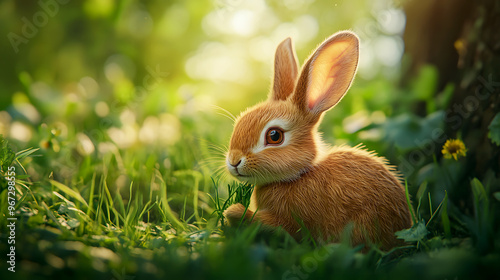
(276, 146)
(349, 186)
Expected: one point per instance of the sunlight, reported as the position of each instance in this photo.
(89, 86)
(243, 22)
(85, 145)
(20, 131)
(5, 120)
(101, 109)
(392, 21)
(388, 50)
(215, 61)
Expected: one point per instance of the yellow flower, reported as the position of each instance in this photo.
(454, 148)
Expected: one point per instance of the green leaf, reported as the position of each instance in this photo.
(445, 218)
(51, 216)
(416, 233)
(409, 132)
(6, 154)
(25, 153)
(434, 213)
(74, 194)
(494, 127)
(421, 190)
(407, 194)
(73, 223)
(480, 196)
(482, 225)
(481, 203)
(165, 209)
(497, 195)
(35, 220)
(426, 83)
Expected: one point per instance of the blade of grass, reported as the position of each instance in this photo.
(165, 207)
(91, 195)
(418, 207)
(196, 177)
(52, 217)
(430, 203)
(107, 201)
(480, 197)
(63, 198)
(445, 218)
(483, 222)
(129, 196)
(24, 153)
(81, 213)
(407, 194)
(436, 211)
(146, 209)
(99, 211)
(72, 193)
(121, 205)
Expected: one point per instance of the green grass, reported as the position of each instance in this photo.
(86, 228)
(90, 207)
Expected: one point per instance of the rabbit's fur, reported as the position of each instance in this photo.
(300, 179)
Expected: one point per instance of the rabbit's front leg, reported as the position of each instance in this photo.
(235, 213)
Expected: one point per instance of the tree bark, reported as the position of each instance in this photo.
(461, 39)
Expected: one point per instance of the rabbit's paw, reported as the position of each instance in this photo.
(234, 214)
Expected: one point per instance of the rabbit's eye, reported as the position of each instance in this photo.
(274, 136)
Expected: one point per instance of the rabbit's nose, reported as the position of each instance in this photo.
(235, 159)
(236, 165)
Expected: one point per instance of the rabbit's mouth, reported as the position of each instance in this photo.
(239, 175)
(236, 173)
(235, 169)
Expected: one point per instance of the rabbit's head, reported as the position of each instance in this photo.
(277, 140)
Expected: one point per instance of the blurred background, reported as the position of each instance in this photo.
(133, 86)
(91, 61)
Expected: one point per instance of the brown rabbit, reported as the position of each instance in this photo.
(275, 145)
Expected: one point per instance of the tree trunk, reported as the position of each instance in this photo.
(461, 38)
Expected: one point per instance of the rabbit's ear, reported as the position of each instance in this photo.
(285, 71)
(328, 74)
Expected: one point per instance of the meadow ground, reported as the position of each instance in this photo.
(91, 210)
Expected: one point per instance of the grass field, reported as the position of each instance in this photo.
(112, 147)
(88, 209)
